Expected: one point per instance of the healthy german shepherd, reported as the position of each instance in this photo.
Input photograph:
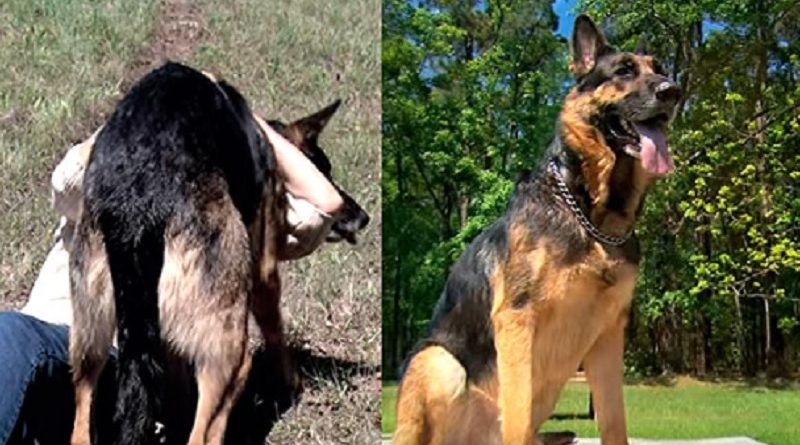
(181, 224)
(549, 285)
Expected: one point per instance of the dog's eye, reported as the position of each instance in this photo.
(625, 70)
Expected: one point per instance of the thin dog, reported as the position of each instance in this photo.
(549, 285)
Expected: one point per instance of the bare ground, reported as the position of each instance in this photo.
(178, 28)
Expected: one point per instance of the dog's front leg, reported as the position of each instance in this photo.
(513, 330)
(603, 366)
(265, 306)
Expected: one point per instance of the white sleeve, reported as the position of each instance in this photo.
(49, 299)
(307, 228)
(66, 182)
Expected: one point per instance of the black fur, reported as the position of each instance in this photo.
(175, 142)
(461, 318)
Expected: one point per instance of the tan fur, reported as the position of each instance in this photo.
(620, 223)
(204, 319)
(597, 157)
(549, 315)
(581, 136)
(473, 419)
(579, 316)
(578, 305)
(547, 318)
(604, 365)
(433, 380)
(93, 305)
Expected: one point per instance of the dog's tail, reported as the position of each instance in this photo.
(135, 265)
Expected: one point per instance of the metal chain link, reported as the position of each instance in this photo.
(566, 195)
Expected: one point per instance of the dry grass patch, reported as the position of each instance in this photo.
(63, 62)
(290, 58)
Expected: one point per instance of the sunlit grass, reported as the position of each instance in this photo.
(62, 61)
(689, 409)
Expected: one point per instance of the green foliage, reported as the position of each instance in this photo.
(471, 92)
(720, 236)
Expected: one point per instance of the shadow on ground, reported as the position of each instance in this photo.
(269, 392)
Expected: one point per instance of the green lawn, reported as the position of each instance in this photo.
(686, 410)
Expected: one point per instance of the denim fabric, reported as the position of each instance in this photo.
(37, 400)
(33, 367)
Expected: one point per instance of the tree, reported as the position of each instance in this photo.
(718, 290)
(471, 91)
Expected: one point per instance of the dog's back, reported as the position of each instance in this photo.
(177, 176)
(172, 132)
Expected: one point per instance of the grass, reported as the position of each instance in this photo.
(65, 64)
(388, 403)
(62, 61)
(686, 409)
(291, 58)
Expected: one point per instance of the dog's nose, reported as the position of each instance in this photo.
(668, 91)
(363, 221)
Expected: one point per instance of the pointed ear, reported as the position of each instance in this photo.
(311, 126)
(588, 43)
(641, 45)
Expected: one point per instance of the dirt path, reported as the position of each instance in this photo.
(180, 26)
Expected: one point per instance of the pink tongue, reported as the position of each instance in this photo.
(654, 150)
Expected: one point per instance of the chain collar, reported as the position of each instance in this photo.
(566, 195)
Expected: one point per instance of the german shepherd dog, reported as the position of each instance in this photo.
(549, 285)
(180, 225)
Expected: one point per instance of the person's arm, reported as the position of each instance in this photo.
(302, 179)
(66, 182)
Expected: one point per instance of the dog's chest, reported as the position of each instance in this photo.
(602, 279)
(575, 304)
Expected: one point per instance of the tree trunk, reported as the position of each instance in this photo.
(463, 211)
(762, 61)
(767, 336)
(395, 341)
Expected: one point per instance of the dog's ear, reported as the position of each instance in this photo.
(311, 126)
(588, 43)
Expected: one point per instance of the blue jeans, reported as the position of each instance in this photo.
(37, 401)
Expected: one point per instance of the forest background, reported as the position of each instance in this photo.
(471, 92)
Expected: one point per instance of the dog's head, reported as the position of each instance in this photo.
(304, 133)
(621, 105)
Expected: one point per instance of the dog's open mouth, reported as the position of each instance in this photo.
(647, 141)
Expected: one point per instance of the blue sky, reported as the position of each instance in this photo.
(566, 16)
